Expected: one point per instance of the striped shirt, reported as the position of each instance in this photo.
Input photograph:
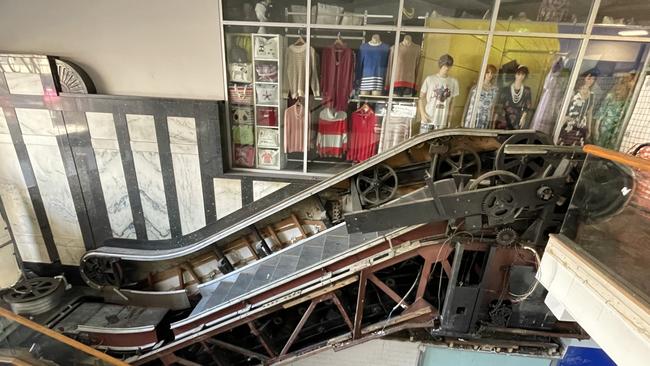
(332, 138)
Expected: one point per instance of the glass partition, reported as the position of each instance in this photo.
(544, 16)
(265, 74)
(354, 12)
(609, 216)
(601, 94)
(536, 49)
(346, 117)
(448, 14)
(626, 18)
(292, 11)
(531, 79)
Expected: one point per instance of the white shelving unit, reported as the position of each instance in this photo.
(269, 138)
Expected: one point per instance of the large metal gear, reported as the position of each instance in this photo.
(35, 295)
(500, 206)
(506, 237)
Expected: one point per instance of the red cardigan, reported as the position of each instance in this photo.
(337, 76)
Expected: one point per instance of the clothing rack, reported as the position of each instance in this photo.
(364, 15)
(326, 37)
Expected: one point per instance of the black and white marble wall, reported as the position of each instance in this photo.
(146, 159)
(39, 135)
(17, 202)
(111, 174)
(187, 172)
(78, 169)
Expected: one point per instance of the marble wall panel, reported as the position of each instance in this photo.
(264, 188)
(23, 83)
(17, 202)
(146, 159)
(187, 172)
(42, 147)
(227, 195)
(39, 137)
(111, 174)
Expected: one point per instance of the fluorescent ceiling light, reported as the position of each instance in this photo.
(633, 33)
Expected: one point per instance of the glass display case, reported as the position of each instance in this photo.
(353, 78)
(609, 216)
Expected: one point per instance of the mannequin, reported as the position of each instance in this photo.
(408, 57)
(436, 97)
(608, 117)
(262, 9)
(372, 65)
(577, 127)
(487, 101)
(515, 101)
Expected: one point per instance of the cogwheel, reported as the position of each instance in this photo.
(506, 237)
(500, 205)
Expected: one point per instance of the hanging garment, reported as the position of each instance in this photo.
(575, 129)
(550, 103)
(486, 102)
(515, 105)
(294, 128)
(295, 70)
(372, 65)
(395, 131)
(337, 76)
(363, 140)
(439, 92)
(408, 58)
(332, 139)
(608, 120)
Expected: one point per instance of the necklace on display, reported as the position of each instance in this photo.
(516, 95)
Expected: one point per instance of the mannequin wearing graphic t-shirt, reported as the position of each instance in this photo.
(436, 97)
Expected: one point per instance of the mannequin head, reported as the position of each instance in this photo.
(588, 79)
(445, 63)
(490, 74)
(521, 74)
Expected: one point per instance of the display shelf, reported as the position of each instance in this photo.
(269, 139)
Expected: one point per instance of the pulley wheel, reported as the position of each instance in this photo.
(35, 295)
(377, 184)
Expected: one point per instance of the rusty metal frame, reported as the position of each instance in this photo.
(417, 314)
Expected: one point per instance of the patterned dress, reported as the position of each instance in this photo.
(578, 119)
(486, 102)
(608, 117)
(514, 113)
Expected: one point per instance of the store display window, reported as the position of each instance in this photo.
(447, 14)
(530, 77)
(346, 117)
(291, 11)
(601, 94)
(315, 91)
(544, 16)
(264, 79)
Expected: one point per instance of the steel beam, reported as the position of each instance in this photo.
(262, 338)
(361, 300)
(298, 328)
(236, 349)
